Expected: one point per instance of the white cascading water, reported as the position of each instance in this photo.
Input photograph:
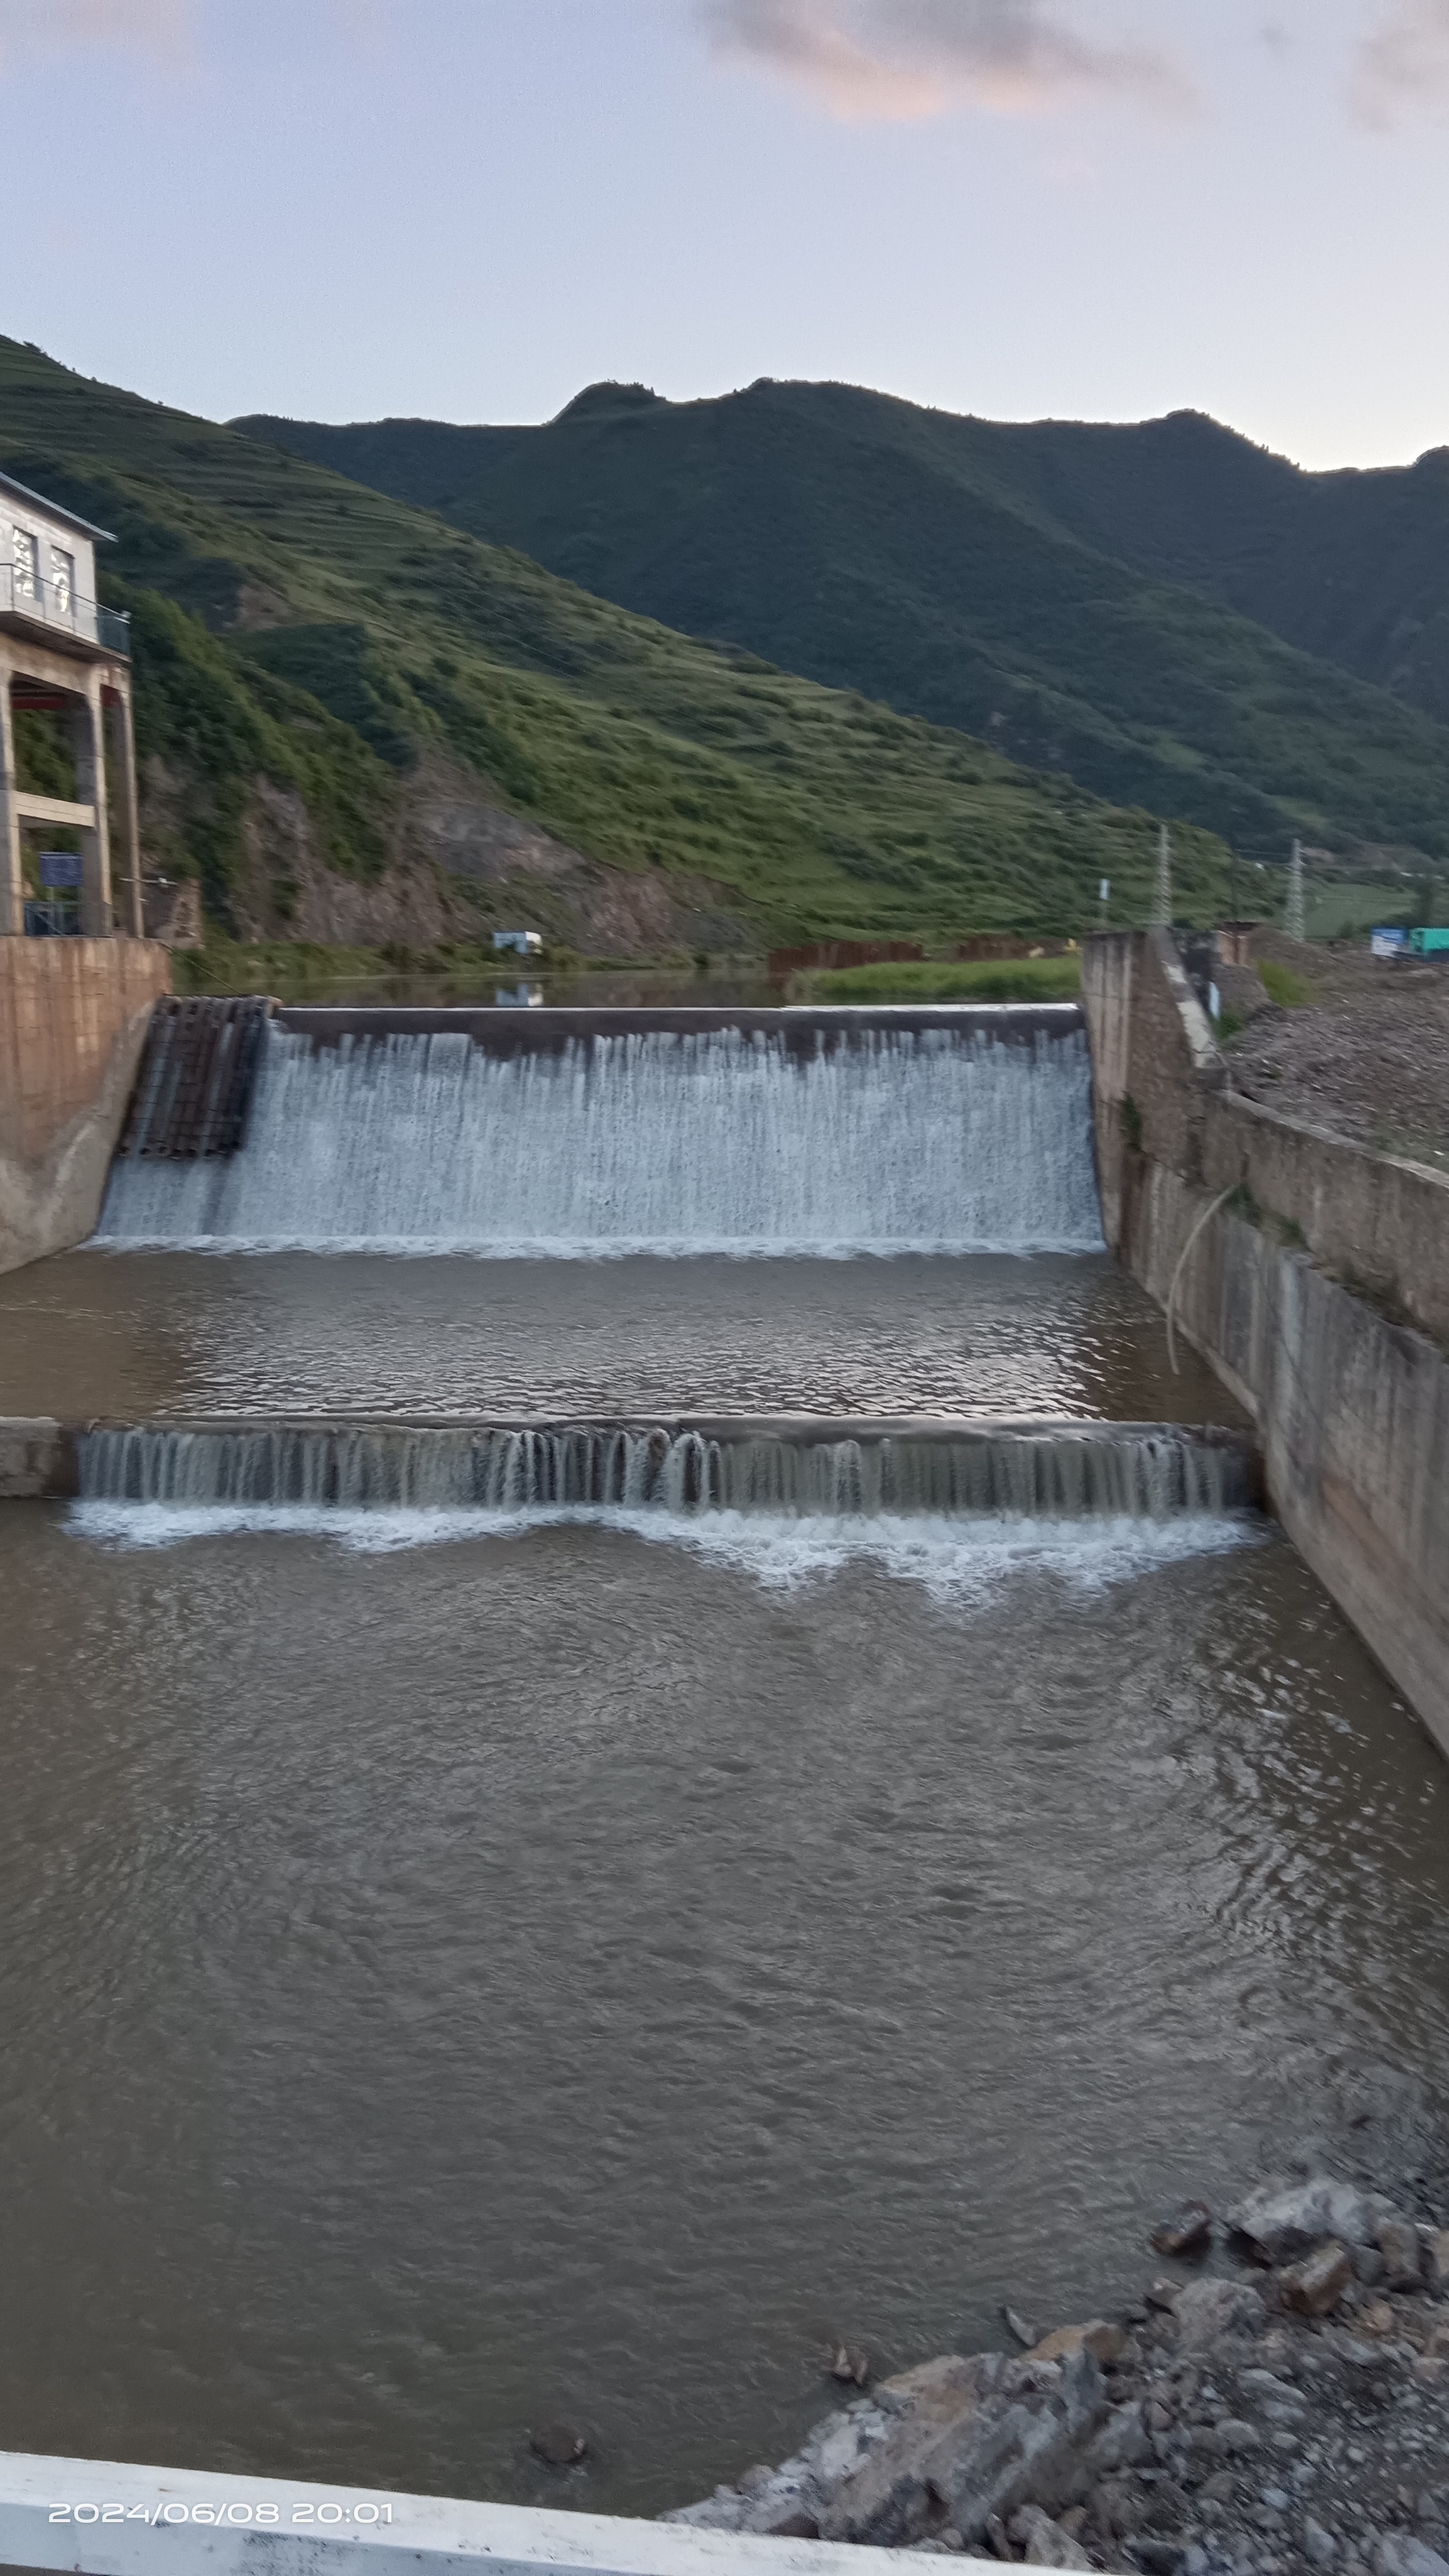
(715, 1142)
(1131, 1472)
(958, 1516)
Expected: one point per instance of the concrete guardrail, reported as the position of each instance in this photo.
(111, 2518)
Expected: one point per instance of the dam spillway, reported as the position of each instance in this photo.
(795, 1468)
(767, 1132)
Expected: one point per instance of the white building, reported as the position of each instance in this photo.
(62, 653)
(523, 943)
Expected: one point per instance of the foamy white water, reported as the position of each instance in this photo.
(719, 1142)
(952, 1560)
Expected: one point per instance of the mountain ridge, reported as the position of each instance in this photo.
(1148, 607)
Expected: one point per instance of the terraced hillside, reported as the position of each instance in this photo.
(355, 717)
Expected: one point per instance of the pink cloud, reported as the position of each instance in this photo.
(891, 59)
(160, 26)
(1403, 64)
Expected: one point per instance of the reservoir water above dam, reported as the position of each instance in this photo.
(576, 1966)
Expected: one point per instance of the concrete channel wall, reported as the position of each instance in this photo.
(1314, 1276)
(73, 1017)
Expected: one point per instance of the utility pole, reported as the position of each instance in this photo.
(1293, 912)
(1104, 897)
(1162, 891)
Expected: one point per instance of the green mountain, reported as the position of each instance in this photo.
(1166, 613)
(335, 687)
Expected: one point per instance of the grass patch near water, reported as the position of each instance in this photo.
(1014, 979)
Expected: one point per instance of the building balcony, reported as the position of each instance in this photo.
(32, 605)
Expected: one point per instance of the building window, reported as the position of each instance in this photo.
(27, 564)
(62, 581)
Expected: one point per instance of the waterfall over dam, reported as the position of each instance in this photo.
(770, 1132)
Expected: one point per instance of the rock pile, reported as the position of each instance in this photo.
(1290, 2413)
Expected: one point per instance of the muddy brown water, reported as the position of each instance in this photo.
(566, 1975)
(574, 1972)
(137, 1334)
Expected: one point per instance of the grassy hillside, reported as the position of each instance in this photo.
(1084, 598)
(294, 625)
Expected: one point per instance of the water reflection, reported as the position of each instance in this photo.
(125, 1336)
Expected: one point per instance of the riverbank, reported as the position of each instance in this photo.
(1278, 2399)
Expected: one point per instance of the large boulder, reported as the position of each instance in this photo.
(1105, 2342)
(1207, 2310)
(957, 2441)
(788, 2502)
(894, 2493)
(1043, 2543)
(1282, 2222)
(1001, 2434)
(1316, 2286)
(1398, 2555)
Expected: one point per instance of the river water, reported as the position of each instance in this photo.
(139, 1334)
(573, 1975)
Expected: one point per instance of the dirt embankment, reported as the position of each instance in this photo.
(459, 866)
(1360, 1046)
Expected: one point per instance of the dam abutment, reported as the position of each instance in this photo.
(73, 1020)
(1313, 1275)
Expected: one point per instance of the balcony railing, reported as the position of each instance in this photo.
(56, 607)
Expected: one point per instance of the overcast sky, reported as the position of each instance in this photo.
(1096, 209)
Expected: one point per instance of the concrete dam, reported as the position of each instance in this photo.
(651, 1726)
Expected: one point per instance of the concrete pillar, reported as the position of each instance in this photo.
(88, 723)
(128, 810)
(12, 884)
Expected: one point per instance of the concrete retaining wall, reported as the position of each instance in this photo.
(73, 1016)
(1351, 1405)
(38, 1461)
(1379, 1223)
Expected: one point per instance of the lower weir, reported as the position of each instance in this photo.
(794, 1467)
